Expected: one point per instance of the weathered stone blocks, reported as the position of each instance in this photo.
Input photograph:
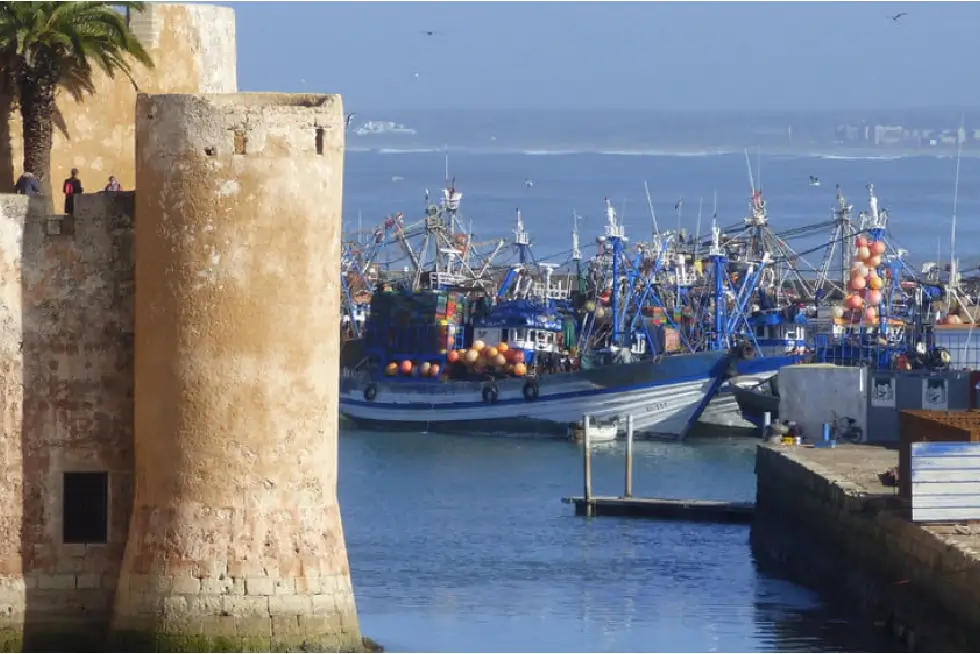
(235, 512)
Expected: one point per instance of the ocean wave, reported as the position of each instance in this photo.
(407, 150)
(775, 154)
(549, 153)
(865, 157)
(665, 153)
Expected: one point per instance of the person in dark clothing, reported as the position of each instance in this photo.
(72, 187)
(28, 184)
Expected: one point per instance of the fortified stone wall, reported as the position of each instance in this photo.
(828, 532)
(66, 302)
(193, 46)
(236, 537)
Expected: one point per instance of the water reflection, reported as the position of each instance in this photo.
(462, 544)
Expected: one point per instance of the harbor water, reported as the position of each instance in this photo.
(461, 544)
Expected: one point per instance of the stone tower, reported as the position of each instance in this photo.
(235, 538)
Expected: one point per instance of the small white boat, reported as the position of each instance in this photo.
(604, 431)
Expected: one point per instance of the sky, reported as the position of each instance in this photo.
(669, 56)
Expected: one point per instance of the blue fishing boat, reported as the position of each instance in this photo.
(450, 361)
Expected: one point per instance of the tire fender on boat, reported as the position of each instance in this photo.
(490, 393)
(371, 392)
(531, 390)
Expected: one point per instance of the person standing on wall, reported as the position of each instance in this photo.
(72, 187)
(113, 186)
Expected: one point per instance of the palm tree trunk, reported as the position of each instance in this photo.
(37, 109)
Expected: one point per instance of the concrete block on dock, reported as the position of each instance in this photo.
(814, 394)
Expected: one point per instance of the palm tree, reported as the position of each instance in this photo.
(50, 45)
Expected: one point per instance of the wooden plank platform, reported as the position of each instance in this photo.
(664, 509)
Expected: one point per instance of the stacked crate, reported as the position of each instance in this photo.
(417, 326)
(918, 426)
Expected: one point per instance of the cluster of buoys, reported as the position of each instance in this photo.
(481, 356)
(865, 284)
(410, 368)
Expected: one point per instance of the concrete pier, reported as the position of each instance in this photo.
(824, 519)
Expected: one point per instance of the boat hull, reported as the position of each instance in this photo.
(664, 397)
(724, 409)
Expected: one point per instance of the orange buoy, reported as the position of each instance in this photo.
(472, 355)
(491, 352)
(874, 298)
(870, 314)
(502, 347)
(434, 370)
(479, 345)
(519, 356)
(876, 283)
(500, 360)
(858, 283)
(520, 369)
(854, 302)
(406, 367)
(391, 369)
(874, 261)
(862, 241)
(902, 363)
(863, 253)
(877, 248)
(452, 356)
(426, 367)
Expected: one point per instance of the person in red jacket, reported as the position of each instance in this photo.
(71, 188)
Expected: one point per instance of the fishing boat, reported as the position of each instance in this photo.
(444, 360)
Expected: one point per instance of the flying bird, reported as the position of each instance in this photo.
(350, 117)
(896, 17)
(430, 32)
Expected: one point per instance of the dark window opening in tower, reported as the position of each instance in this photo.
(321, 134)
(85, 508)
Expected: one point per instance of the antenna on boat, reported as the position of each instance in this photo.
(653, 214)
(697, 229)
(956, 196)
(520, 238)
(748, 164)
(446, 151)
(576, 246)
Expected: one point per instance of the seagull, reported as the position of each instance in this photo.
(896, 17)
(350, 117)
(814, 181)
(430, 32)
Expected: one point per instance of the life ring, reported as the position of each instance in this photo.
(371, 392)
(531, 390)
(490, 393)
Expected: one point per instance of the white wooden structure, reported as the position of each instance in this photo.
(945, 482)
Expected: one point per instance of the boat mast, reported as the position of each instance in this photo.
(614, 236)
(951, 287)
(521, 239)
(718, 261)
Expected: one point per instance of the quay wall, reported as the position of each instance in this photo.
(822, 529)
